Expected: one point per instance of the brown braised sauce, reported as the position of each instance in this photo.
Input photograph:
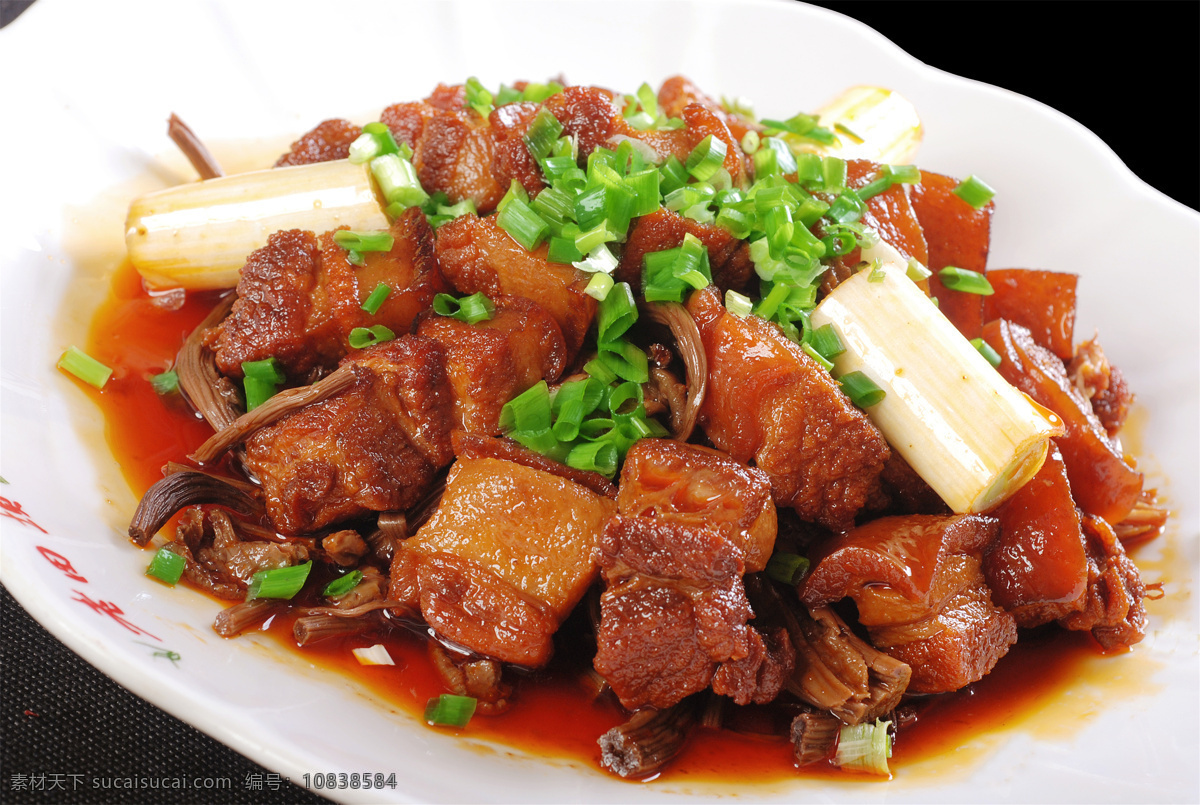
(554, 715)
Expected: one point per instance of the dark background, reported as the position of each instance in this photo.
(59, 715)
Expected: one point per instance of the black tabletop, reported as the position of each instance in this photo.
(67, 729)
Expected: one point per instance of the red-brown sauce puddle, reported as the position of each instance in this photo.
(554, 713)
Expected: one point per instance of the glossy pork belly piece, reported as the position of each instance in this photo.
(1041, 301)
(330, 140)
(300, 296)
(956, 234)
(728, 257)
(452, 146)
(768, 401)
(503, 560)
(1037, 569)
(698, 486)
(678, 92)
(920, 593)
(371, 448)
(492, 361)
(674, 609)
(691, 522)
(477, 256)
(1102, 483)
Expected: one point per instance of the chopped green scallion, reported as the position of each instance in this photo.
(787, 568)
(376, 298)
(965, 281)
(449, 710)
(985, 349)
(342, 584)
(974, 191)
(865, 747)
(363, 337)
(738, 304)
(706, 158)
(861, 389)
(83, 366)
(279, 582)
(167, 566)
(165, 383)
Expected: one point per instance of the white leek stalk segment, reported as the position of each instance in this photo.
(973, 437)
(198, 236)
(885, 121)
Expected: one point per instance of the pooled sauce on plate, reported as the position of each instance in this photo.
(554, 714)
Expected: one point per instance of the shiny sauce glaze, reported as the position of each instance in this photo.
(555, 714)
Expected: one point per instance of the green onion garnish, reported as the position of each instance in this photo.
(865, 747)
(376, 140)
(787, 568)
(966, 281)
(342, 584)
(364, 241)
(279, 582)
(974, 191)
(738, 304)
(449, 710)
(861, 389)
(825, 340)
(617, 313)
(398, 182)
(520, 221)
(471, 309)
(477, 98)
(262, 379)
(706, 158)
(376, 299)
(166, 566)
(363, 337)
(599, 286)
(915, 271)
(985, 349)
(542, 133)
(83, 366)
(165, 383)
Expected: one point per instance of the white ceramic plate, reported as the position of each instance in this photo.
(257, 73)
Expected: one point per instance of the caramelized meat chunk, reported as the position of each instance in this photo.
(728, 257)
(1102, 383)
(1114, 610)
(503, 560)
(492, 361)
(697, 486)
(920, 593)
(677, 93)
(956, 234)
(453, 149)
(674, 608)
(1102, 483)
(1041, 301)
(299, 297)
(1037, 568)
(330, 140)
(476, 255)
(768, 401)
(690, 522)
(374, 447)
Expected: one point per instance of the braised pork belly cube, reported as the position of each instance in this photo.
(728, 257)
(374, 447)
(769, 401)
(328, 141)
(1041, 301)
(956, 234)
(1037, 568)
(452, 146)
(698, 486)
(477, 256)
(677, 93)
(921, 594)
(492, 361)
(674, 615)
(300, 296)
(503, 560)
(1102, 482)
